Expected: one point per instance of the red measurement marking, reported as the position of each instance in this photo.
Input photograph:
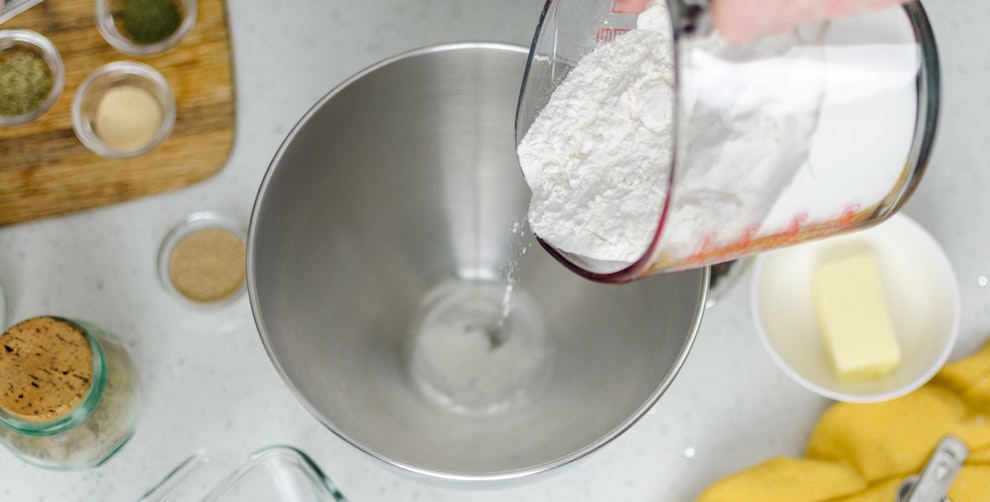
(608, 34)
(748, 235)
(705, 250)
(849, 214)
(796, 225)
(708, 242)
(797, 231)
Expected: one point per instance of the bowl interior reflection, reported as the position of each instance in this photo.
(402, 297)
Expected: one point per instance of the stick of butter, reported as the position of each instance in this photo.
(853, 319)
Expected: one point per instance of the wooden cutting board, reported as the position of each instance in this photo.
(46, 171)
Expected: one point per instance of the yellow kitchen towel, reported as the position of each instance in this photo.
(862, 452)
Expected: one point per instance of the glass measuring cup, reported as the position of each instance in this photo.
(851, 106)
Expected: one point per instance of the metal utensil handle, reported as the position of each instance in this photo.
(937, 475)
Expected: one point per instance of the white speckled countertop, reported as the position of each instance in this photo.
(208, 382)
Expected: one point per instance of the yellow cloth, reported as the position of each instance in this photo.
(862, 452)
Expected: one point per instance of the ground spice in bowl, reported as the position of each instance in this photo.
(31, 76)
(203, 260)
(208, 266)
(127, 118)
(25, 81)
(145, 27)
(151, 21)
(123, 109)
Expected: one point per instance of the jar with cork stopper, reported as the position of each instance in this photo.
(71, 396)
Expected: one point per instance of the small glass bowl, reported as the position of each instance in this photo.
(109, 20)
(195, 222)
(40, 45)
(111, 75)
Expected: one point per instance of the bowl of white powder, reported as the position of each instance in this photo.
(403, 299)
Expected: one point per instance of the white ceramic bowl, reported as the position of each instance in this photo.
(919, 286)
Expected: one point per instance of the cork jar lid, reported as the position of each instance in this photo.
(46, 366)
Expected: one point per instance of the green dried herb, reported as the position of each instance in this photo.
(24, 81)
(151, 21)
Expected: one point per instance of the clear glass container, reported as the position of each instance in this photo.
(189, 226)
(273, 474)
(95, 428)
(110, 22)
(86, 106)
(26, 40)
(817, 131)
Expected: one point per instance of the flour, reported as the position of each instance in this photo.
(598, 157)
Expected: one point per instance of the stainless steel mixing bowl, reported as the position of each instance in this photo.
(384, 241)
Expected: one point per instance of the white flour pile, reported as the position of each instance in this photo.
(598, 156)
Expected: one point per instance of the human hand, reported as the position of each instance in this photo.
(744, 20)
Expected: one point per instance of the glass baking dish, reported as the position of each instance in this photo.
(273, 474)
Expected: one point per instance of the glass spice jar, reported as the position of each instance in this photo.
(145, 28)
(123, 109)
(71, 393)
(202, 261)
